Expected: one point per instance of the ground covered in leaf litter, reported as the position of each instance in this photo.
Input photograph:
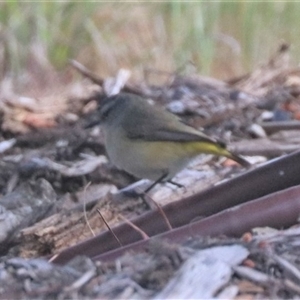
(55, 179)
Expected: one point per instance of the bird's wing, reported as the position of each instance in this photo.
(172, 136)
(167, 128)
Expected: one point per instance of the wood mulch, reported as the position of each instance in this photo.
(229, 233)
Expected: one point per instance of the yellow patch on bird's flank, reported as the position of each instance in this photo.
(209, 148)
(175, 150)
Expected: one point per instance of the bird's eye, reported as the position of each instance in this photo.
(106, 108)
(104, 112)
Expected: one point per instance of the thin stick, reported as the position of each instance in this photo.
(108, 227)
(84, 209)
(140, 231)
(53, 257)
(288, 266)
(81, 281)
(159, 208)
(86, 72)
(98, 80)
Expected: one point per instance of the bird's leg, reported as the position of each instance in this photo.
(135, 194)
(159, 180)
(176, 184)
(149, 188)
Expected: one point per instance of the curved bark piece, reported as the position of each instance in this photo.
(273, 176)
(277, 210)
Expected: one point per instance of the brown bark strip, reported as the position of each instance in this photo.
(280, 209)
(273, 176)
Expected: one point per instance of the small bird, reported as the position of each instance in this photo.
(149, 142)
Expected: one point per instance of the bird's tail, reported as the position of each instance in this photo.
(218, 149)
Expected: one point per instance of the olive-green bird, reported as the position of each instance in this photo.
(149, 142)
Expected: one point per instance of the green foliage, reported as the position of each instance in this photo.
(53, 26)
(166, 36)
